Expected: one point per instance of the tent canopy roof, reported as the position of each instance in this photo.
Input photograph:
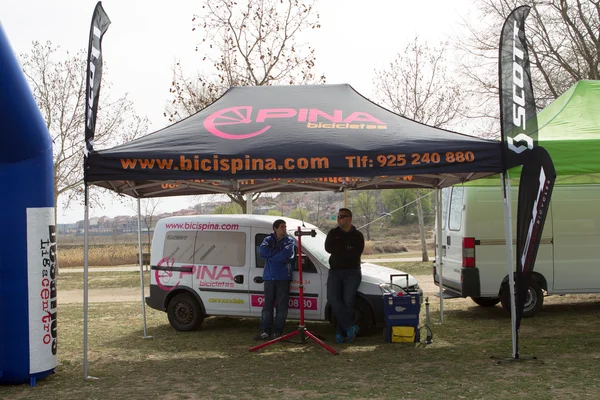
(292, 138)
(569, 129)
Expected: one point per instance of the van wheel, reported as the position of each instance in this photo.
(486, 301)
(363, 316)
(533, 301)
(184, 313)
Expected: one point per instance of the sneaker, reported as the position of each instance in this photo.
(275, 335)
(262, 336)
(339, 338)
(351, 333)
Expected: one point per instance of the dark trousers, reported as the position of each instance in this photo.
(342, 285)
(276, 293)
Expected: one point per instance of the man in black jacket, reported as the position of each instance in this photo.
(345, 244)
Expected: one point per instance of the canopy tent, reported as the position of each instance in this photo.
(288, 138)
(292, 138)
(569, 129)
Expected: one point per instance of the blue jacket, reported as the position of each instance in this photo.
(279, 256)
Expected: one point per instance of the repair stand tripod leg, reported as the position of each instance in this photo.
(301, 331)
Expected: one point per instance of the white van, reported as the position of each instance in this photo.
(209, 265)
(474, 245)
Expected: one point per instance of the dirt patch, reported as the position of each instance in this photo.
(111, 295)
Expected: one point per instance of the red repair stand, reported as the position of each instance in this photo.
(302, 331)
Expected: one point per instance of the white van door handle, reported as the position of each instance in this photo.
(258, 279)
(238, 279)
(448, 240)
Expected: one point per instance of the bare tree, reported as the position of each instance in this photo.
(190, 95)
(365, 209)
(417, 86)
(424, 255)
(59, 90)
(149, 213)
(564, 47)
(250, 43)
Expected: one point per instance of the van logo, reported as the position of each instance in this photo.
(213, 276)
(165, 279)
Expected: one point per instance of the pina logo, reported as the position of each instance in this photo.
(235, 123)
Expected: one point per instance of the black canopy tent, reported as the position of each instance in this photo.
(288, 138)
(292, 138)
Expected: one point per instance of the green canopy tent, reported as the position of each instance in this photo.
(569, 129)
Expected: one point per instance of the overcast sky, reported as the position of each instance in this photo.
(146, 37)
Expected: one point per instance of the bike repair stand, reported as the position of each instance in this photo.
(302, 331)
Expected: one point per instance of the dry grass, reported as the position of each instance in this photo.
(99, 255)
(388, 246)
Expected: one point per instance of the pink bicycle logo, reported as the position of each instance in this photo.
(228, 118)
(166, 279)
(231, 116)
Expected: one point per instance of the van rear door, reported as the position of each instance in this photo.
(452, 245)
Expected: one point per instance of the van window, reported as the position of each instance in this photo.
(206, 248)
(308, 265)
(179, 245)
(456, 206)
(445, 200)
(221, 248)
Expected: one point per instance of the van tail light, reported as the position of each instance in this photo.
(468, 248)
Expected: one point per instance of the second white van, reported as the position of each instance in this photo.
(474, 245)
(210, 265)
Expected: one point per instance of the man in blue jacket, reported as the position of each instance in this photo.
(278, 250)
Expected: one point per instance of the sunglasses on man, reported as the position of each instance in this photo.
(343, 216)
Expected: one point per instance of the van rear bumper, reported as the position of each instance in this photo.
(157, 298)
(469, 285)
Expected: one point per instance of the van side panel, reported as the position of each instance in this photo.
(576, 212)
(484, 220)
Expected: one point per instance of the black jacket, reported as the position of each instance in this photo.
(345, 248)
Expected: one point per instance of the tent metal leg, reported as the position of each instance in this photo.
(438, 235)
(142, 267)
(86, 222)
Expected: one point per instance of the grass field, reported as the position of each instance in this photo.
(214, 362)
